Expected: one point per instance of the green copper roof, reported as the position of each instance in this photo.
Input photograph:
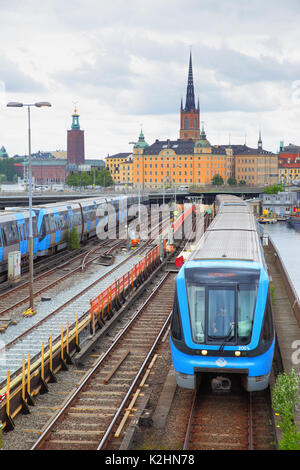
(3, 152)
(202, 142)
(141, 144)
(75, 122)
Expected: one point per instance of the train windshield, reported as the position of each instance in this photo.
(221, 304)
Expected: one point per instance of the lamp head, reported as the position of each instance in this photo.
(14, 104)
(41, 104)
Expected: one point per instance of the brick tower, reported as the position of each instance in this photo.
(75, 142)
(190, 115)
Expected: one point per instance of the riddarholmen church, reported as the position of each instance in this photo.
(191, 159)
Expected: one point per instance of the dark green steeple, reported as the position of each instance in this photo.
(141, 144)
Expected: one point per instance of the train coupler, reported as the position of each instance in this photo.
(221, 384)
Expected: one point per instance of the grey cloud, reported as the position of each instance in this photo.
(14, 79)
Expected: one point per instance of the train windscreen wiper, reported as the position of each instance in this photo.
(226, 338)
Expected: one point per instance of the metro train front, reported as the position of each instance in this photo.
(222, 322)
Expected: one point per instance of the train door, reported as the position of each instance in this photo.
(70, 217)
(57, 226)
(22, 236)
(87, 218)
(1, 245)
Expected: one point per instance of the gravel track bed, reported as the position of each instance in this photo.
(28, 427)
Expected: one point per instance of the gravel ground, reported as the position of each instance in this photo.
(59, 295)
(29, 427)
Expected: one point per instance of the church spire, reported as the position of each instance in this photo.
(190, 95)
(190, 115)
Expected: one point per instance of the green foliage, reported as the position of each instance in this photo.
(273, 293)
(217, 180)
(99, 177)
(290, 438)
(242, 183)
(73, 243)
(273, 189)
(285, 400)
(7, 168)
(232, 181)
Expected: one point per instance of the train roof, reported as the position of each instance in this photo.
(235, 209)
(228, 244)
(227, 198)
(232, 235)
(7, 215)
(233, 221)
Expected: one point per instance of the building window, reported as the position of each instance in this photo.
(186, 123)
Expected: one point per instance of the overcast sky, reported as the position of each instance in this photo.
(125, 63)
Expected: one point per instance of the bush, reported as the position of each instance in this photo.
(232, 181)
(73, 242)
(217, 180)
(273, 189)
(285, 400)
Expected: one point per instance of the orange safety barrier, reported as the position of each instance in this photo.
(177, 224)
(106, 297)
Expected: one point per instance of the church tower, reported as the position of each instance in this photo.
(190, 115)
(75, 142)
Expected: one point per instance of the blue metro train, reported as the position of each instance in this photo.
(52, 222)
(222, 323)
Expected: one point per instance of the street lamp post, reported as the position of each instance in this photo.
(139, 187)
(30, 235)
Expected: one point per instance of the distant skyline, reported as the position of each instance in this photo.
(125, 64)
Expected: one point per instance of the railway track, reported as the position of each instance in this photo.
(34, 330)
(57, 274)
(91, 415)
(51, 278)
(26, 338)
(230, 421)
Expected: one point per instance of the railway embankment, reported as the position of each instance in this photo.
(286, 311)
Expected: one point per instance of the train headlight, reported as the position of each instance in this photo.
(237, 353)
(204, 352)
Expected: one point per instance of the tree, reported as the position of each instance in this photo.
(217, 180)
(7, 168)
(273, 189)
(232, 181)
(242, 182)
(99, 177)
(73, 179)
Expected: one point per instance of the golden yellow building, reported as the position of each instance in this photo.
(126, 172)
(180, 162)
(120, 167)
(257, 167)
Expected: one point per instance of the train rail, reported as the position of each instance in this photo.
(51, 321)
(51, 278)
(119, 375)
(29, 342)
(230, 421)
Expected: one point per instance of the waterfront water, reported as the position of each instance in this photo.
(287, 241)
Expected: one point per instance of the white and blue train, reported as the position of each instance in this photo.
(222, 323)
(52, 222)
